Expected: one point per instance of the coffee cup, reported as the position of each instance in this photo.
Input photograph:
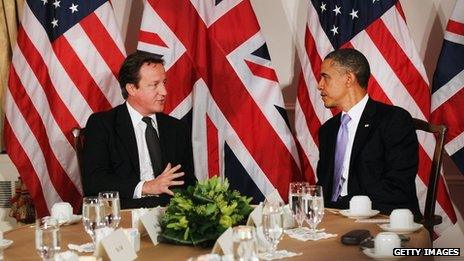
(401, 218)
(62, 211)
(385, 242)
(360, 205)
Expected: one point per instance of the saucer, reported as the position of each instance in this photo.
(5, 243)
(370, 253)
(74, 219)
(414, 227)
(346, 213)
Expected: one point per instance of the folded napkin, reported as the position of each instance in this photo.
(66, 256)
(302, 235)
(279, 254)
(84, 248)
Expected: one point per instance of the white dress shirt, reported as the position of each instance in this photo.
(146, 170)
(355, 114)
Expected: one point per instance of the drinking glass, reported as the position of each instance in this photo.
(272, 223)
(92, 216)
(112, 208)
(244, 246)
(295, 196)
(313, 206)
(47, 237)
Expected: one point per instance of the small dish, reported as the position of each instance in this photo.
(403, 231)
(5, 243)
(346, 213)
(370, 252)
(74, 219)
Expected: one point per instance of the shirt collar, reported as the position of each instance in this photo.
(136, 117)
(356, 111)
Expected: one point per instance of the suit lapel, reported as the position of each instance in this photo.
(126, 133)
(362, 131)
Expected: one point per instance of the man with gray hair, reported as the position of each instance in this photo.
(369, 148)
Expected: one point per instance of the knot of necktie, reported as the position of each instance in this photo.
(345, 119)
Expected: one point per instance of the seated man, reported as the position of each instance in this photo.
(369, 148)
(134, 148)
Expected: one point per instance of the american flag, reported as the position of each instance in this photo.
(378, 29)
(221, 79)
(448, 86)
(63, 69)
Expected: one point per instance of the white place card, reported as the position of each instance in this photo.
(118, 247)
(150, 221)
(224, 242)
(255, 217)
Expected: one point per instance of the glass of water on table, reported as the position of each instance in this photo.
(295, 196)
(92, 216)
(47, 237)
(112, 207)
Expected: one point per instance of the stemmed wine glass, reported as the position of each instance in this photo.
(92, 216)
(272, 223)
(313, 206)
(295, 197)
(47, 237)
(112, 208)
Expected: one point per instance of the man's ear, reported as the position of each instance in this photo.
(350, 79)
(130, 88)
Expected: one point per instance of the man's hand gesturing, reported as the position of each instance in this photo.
(162, 183)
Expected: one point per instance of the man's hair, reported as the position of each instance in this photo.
(130, 69)
(353, 61)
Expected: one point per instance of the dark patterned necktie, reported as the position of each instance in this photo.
(154, 148)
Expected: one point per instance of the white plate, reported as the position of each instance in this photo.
(370, 253)
(387, 227)
(346, 213)
(74, 219)
(5, 243)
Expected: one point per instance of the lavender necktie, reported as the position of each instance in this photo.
(340, 149)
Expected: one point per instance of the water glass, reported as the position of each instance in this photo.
(47, 237)
(272, 223)
(245, 244)
(112, 207)
(295, 196)
(313, 206)
(92, 215)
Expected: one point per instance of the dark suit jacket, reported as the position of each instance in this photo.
(111, 161)
(384, 159)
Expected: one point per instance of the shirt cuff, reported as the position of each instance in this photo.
(138, 190)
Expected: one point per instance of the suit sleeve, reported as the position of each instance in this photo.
(98, 172)
(397, 181)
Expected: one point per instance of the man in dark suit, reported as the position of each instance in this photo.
(134, 148)
(369, 148)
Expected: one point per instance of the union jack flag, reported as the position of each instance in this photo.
(63, 69)
(220, 77)
(448, 86)
(378, 29)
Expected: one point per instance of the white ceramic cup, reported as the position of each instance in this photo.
(62, 211)
(385, 242)
(401, 218)
(360, 205)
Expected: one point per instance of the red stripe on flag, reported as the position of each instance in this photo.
(314, 59)
(151, 38)
(248, 121)
(212, 148)
(376, 92)
(401, 65)
(308, 172)
(60, 112)
(312, 121)
(63, 185)
(179, 87)
(103, 42)
(262, 71)
(80, 76)
(26, 170)
(455, 27)
(450, 114)
(241, 16)
(400, 10)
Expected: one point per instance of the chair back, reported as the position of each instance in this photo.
(78, 144)
(430, 219)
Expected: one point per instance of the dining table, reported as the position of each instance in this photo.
(23, 247)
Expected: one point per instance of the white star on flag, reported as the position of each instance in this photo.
(54, 22)
(337, 10)
(354, 14)
(44, 1)
(73, 8)
(56, 3)
(334, 30)
(323, 7)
